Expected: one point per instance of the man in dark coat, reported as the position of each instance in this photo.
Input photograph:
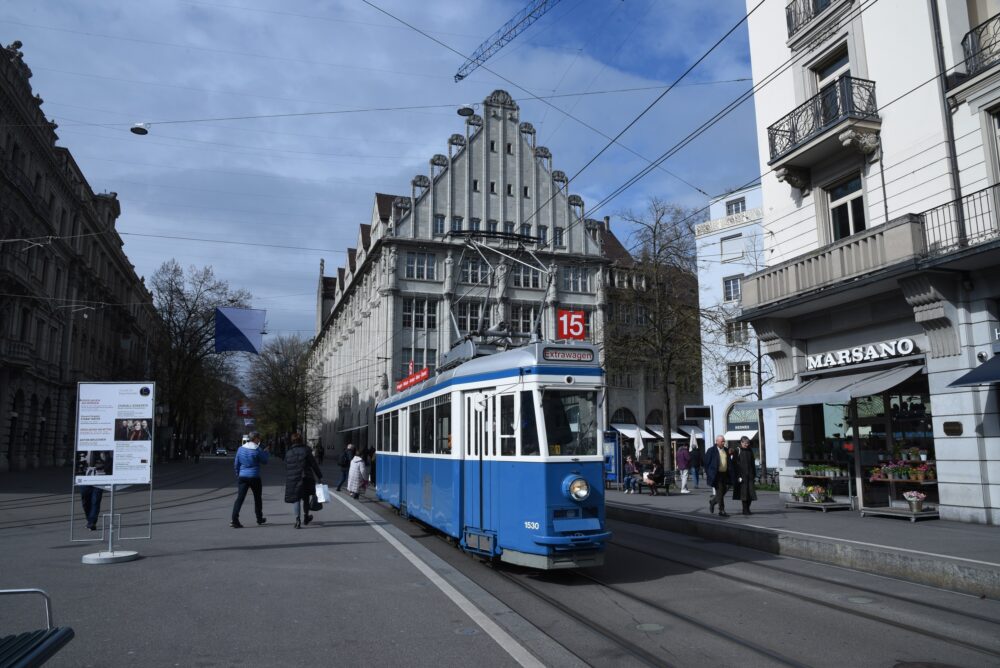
(745, 474)
(695, 464)
(717, 473)
(300, 483)
(345, 464)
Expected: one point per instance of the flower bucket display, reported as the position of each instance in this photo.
(915, 499)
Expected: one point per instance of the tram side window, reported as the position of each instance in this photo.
(442, 421)
(508, 438)
(415, 429)
(394, 432)
(529, 426)
(379, 437)
(427, 427)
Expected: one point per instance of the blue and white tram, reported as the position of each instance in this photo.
(503, 454)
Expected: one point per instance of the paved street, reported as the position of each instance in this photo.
(339, 592)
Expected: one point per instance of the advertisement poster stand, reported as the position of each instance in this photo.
(114, 451)
(612, 459)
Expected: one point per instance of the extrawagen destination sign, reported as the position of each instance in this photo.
(567, 355)
(868, 353)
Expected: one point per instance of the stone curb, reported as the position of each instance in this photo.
(956, 574)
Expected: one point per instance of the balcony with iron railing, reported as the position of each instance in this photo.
(937, 235)
(799, 13)
(16, 353)
(981, 46)
(812, 131)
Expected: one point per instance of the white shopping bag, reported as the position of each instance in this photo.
(322, 493)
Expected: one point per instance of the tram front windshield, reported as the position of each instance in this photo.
(570, 422)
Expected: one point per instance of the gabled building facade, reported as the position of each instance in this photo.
(881, 162)
(71, 305)
(413, 287)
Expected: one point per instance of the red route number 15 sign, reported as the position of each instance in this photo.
(571, 324)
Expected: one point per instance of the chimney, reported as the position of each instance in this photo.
(607, 223)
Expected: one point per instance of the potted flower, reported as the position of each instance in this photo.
(817, 493)
(923, 455)
(876, 473)
(931, 472)
(915, 499)
(919, 472)
(889, 471)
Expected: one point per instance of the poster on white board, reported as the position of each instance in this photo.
(114, 433)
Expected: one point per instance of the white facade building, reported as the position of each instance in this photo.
(410, 290)
(877, 133)
(729, 247)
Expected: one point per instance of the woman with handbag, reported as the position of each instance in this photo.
(300, 483)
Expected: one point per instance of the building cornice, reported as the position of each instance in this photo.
(734, 220)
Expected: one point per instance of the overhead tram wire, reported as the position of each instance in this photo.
(559, 109)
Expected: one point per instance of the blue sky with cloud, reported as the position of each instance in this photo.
(309, 181)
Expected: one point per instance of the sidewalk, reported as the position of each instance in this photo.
(954, 555)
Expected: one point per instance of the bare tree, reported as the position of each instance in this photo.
(285, 389)
(186, 363)
(654, 319)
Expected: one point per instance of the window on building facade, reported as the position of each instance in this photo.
(474, 270)
(525, 277)
(419, 313)
(439, 224)
(737, 332)
(475, 185)
(467, 315)
(522, 316)
(575, 279)
(731, 288)
(493, 186)
(543, 234)
(508, 227)
(491, 226)
(526, 230)
(510, 149)
(847, 207)
(731, 247)
(586, 317)
(625, 380)
(736, 206)
(510, 189)
(827, 73)
(456, 223)
(557, 237)
(493, 146)
(474, 224)
(739, 375)
(421, 358)
(420, 266)
(526, 192)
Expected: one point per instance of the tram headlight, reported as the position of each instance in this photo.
(579, 489)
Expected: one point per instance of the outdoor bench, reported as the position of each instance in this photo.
(33, 648)
(668, 480)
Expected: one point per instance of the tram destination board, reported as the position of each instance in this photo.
(568, 355)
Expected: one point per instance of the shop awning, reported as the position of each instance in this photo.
(837, 389)
(658, 430)
(633, 431)
(738, 435)
(698, 432)
(984, 374)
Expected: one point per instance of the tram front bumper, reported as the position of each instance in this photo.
(575, 541)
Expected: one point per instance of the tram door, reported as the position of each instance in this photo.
(479, 446)
(404, 447)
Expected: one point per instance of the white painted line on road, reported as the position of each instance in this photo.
(502, 638)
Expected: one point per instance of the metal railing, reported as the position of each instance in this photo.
(964, 222)
(847, 97)
(981, 45)
(799, 13)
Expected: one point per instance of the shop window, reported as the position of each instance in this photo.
(847, 207)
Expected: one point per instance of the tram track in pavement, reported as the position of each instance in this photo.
(826, 604)
(832, 581)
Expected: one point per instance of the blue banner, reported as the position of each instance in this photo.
(239, 329)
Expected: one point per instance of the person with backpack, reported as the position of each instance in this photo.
(345, 464)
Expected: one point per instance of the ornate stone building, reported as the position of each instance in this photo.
(71, 306)
(411, 289)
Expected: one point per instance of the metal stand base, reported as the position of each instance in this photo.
(115, 557)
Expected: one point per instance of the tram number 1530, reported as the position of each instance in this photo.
(532, 525)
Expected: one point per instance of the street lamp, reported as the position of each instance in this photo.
(140, 129)
(466, 110)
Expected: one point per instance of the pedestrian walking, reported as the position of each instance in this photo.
(301, 474)
(695, 461)
(631, 476)
(90, 497)
(345, 464)
(319, 452)
(746, 473)
(717, 472)
(683, 463)
(249, 458)
(358, 476)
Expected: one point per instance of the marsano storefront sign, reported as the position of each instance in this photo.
(858, 354)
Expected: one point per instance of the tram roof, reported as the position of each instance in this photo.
(529, 355)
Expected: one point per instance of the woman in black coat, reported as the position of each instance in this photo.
(300, 483)
(743, 472)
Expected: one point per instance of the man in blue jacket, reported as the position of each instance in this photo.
(717, 473)
(249, 458)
